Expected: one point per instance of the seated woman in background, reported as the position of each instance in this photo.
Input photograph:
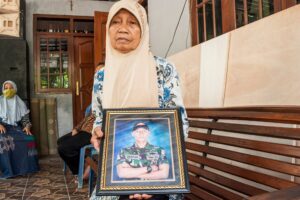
(18, 155)
(69, 145)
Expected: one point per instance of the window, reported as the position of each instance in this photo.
(208, 19)
(248, 11)
(211, 18)
(54, 38)
(54, 63)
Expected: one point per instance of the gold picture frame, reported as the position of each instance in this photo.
(127, 167)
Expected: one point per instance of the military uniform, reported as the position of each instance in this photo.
(142, 157)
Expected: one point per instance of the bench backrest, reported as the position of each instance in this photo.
(234, 153)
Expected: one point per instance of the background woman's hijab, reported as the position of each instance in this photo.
(130, 79)
(13, 109)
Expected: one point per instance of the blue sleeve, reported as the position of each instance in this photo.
(172, 96)
(97, 98)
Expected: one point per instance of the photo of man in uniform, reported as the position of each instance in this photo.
(142, 160)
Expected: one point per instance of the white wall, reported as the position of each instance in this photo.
(58, 7)
(163, 17)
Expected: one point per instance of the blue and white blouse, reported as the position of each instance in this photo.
(169, 94)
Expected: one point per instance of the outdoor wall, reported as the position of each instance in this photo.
(58, 7)
(258, 64)
(163, 17)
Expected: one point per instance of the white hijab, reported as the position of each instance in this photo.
(13, 109)
(130, 79)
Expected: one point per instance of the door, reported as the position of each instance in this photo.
(88, 53)
(83, 76)
(100, 19)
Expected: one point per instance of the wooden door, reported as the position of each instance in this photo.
(100, 19)
(83, 75)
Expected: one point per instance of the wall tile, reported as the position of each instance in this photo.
(264, 62)
(188, 66)
(213, 69)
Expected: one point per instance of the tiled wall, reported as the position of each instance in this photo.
(264, 62)
(258, 64)
(187, 64)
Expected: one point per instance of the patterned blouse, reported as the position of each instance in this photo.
(169, 94)
(86, 124)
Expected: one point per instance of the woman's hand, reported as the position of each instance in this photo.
(95, 138)
(74, 132)
(98, 132)
(27, 130)
(2, 129)
(95, 142)
(140, 196)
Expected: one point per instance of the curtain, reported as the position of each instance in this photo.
(44, 124)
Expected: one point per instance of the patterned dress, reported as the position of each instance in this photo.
(18, 154)
(169, 96)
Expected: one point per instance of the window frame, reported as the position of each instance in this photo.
(228, 12)
(38, 63)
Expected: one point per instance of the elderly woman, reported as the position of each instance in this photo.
(133, 77)
(18, 155)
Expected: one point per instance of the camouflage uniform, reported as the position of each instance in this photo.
(142, 157)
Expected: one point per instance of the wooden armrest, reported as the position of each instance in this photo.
(291, 193)
(93, 164)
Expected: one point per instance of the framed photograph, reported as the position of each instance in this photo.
(143, 152)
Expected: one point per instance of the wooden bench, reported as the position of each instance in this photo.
(244, 153)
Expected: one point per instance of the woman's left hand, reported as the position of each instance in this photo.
(27, 130)
(140, 196)
(2, 129)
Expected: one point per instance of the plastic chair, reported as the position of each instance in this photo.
(65, 168)
(92, 172)
(92, 151)
(83, 151)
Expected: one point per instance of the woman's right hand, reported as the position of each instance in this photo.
(95, 138)
(2, 129)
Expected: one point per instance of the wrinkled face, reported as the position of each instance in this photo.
(8, 86)
(124, 32)
(141, 135)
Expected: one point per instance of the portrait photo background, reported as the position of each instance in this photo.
(159, 136)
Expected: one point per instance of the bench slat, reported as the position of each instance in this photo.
(268, 180)
(257, 109)
(284, 114)
(278, 132)
(266, 163)
(190, 196)
(280, 149)
(214, 189)
(202, 193)
(227, 182)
